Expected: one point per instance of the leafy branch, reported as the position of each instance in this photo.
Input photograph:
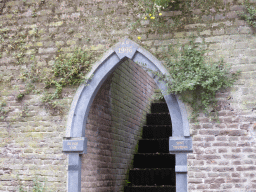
(250, 14)
(196, 80)
(67, 70)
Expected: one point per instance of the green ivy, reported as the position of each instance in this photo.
(249, 15)
(67, 70)
(154, 11)
(196, 80)
(3, 110)
(37, 186)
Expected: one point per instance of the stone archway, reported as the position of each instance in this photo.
(75, 142)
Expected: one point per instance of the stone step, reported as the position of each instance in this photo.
(154, 160)
(156, 131)
(150, 189)
(158, 119)
(152, 177)
(159, 107)
(153, 166)
(153, 146)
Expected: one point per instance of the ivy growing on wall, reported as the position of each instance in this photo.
(67, 70)
(37, 186)
(70, 69)
(182, 13)
(195, 79)
(249, 15)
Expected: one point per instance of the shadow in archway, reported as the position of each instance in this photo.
(114, 127)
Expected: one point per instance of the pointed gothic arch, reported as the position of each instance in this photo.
(80, 107)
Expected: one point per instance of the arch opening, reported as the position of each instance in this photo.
(85, 95)
(114, 126)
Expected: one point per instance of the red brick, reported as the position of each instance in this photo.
(246, 168)
(223, 169)
(222, 150)
(204, 186)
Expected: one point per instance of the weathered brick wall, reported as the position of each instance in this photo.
(114, 126)
(224, 152)
(31, 134)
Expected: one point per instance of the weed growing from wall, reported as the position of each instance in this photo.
(194, 79)
(37, 186)
(67, 70)
(3, 110)
(164, 16)
(249, 15)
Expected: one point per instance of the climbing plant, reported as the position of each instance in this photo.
(164, 16)
(249, 15)
(195, 79)
(67, 70)
(37, 186)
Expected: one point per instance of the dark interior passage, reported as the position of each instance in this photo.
(153, 166)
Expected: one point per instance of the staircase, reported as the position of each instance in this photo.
(153, 166)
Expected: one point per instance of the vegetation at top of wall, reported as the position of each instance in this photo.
(180, 13)
(193, 78)
(196, 80)
(61, 74)
(249, 15)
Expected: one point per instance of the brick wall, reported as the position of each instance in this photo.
(31, 134)
(224, 153)
(114, 126)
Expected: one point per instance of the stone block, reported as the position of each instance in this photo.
(56, 24)
(244, 30)
(219, 17)
(207, 18)
(218, 32)
(215, 46)
(47, 50)
(214, 39)
(206, 32)
(39, 44)
(231, 15)
(195, 26)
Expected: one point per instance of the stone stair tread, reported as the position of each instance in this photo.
(154, 160)
(158, 119)
(145, 126)
(159, 113)
(152, 176)
(160, 145)
(155, 154)
(153, 186)
(159, 107)
(156, 131)
(165, 188)
(150, 139)
(153, 167)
